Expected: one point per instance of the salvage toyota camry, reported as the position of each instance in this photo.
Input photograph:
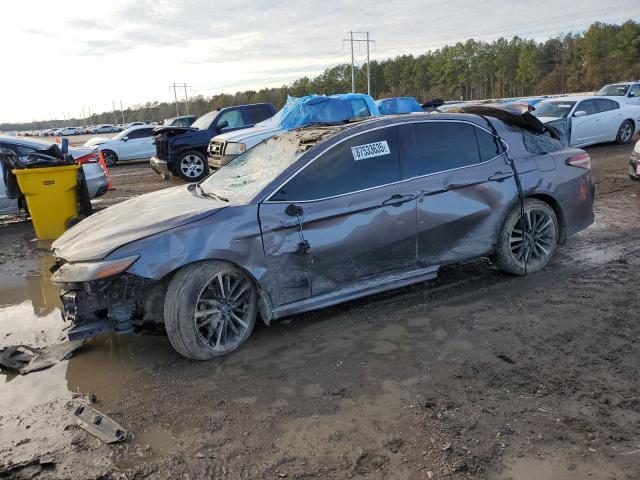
(319, 216)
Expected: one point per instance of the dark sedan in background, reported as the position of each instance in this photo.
(322, 215)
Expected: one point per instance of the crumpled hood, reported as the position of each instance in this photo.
(96, 141)
(249, 136)
(101, 233)
(548, 119)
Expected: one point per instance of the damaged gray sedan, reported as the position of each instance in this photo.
(319, 216)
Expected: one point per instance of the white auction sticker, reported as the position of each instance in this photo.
(370, 150)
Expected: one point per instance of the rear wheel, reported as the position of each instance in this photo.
(527, 247)
(210, 309)
(625, 132)
(193, 166)
(110, 158)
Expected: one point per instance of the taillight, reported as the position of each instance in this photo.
(88, 158)
(582, 160)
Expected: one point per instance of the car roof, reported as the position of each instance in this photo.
(576, 98)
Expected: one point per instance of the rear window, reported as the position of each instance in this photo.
(537, 143)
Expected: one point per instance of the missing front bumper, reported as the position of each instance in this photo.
(116, 305)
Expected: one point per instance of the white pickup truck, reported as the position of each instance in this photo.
(297, 112)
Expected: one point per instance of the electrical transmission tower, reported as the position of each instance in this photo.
(175, 87)
(351, 41)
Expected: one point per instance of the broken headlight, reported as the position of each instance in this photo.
(88, 271)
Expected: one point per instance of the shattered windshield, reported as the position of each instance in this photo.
(248, 174)
(613, 91)
(204, 122)
(553, 109)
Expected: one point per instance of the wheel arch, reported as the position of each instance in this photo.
(559, 211)
(265, 305)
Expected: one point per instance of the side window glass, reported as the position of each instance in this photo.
(233, 117)
(432, 147)
(635, 89)
(488, 145)
(588, 106)
(604, 105)
(259, 113)
(134, 134)
(367, 160)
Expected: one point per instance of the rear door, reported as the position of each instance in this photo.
(465, 185)
(610, 119)
(586, 129)
(343, 219)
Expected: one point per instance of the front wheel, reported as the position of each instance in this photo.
(210, 309)
(527, 247)
(625, 133)
(193, 166)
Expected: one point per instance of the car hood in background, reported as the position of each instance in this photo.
(92, 142)
(248, 135)
(101, 233)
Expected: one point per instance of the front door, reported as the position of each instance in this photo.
(343, 220)
(465, 185)
(587, 128)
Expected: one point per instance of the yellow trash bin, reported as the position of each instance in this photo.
(51, 197)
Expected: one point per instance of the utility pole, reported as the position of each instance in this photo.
(122, 112)
(175, 87)
(352, 40)
(115, 115)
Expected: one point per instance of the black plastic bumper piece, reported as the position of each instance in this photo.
(90, 330)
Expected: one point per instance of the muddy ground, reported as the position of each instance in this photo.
(476, 375)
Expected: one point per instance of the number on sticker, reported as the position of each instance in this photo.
(370, 150)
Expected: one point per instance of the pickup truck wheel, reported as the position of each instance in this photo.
(192, 166)
(533, 245)
(110, 158)
(210, 309)
(625, 132)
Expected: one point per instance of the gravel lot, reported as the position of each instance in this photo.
(475, 375)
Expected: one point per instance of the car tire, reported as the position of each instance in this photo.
(536, 249)
(625, 132)
(210, 309)
(192, 166)
(110, 157)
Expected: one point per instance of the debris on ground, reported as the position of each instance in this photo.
(98, 424)
(25, 359)
(28, 468)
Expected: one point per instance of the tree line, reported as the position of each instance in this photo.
(575, 62)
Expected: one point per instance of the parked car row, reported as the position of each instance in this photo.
(66, 131)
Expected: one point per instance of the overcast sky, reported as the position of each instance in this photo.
(62, 55)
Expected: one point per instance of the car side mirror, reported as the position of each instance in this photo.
(580, 113)
(632, 94)
(222, 124)
(125, 139)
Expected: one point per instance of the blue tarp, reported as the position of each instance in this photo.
(391, 106)
(298, 112)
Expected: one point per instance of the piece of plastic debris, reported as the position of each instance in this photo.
(98, 424)
(25, 359)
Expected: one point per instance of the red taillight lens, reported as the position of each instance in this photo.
(88, 158)
(582, 160)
